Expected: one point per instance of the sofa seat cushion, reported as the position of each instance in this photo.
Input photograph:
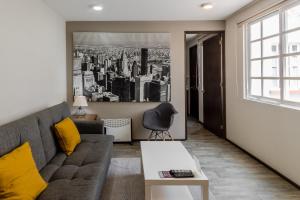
(79, 176)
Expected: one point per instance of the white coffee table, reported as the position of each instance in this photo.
(163, 156)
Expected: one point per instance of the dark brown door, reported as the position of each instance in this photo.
(213, 76)
(194, 96)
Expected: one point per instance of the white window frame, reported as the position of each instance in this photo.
(281, 101)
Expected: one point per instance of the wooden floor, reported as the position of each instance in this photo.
(233, 174)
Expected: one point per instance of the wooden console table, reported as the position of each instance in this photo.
(87, 117)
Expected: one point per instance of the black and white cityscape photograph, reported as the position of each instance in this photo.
(122, 67)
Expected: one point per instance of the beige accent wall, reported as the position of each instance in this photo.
(135, 110)
(269, 132)
(32, 58)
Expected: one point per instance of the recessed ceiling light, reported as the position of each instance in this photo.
(97, 8)
(206, 6)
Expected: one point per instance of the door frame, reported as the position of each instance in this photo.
(223, 78)
(197, 81)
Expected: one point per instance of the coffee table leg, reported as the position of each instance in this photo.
(205, 191)
(147, 192)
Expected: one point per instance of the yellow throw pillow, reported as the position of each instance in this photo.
(19, 176)
(68, 135)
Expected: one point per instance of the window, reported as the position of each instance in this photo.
(294, 48)
(273, 57)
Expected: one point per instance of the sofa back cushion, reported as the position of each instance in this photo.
(18, 132)
(46, 120)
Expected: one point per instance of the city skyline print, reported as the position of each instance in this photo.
(122, 67)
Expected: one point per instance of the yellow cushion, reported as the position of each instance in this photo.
(68, 135)
(19, 176)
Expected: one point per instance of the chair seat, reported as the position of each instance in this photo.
(157, 128)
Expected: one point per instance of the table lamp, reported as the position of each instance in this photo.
(80, 102)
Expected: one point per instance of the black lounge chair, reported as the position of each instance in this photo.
(159, 121)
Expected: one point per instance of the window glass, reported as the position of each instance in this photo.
(271, 46)
(255, 31)
(292, 18)
(271, 67)
(292, 66)
(256, 87)
(271, 89)
(271, 26)
(255, 49)
(292, 90)
(255, 68)
(292, 42)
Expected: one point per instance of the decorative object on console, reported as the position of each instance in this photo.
(119, 128)
(122, 67)
(80, 102)
(159, 121)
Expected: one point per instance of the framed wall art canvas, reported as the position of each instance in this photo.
(122, 67)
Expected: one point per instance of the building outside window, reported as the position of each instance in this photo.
(273, 57)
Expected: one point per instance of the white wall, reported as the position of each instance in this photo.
(270, 133)
(32, 58)
(177, 45)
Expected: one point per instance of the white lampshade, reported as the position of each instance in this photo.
(80, 101)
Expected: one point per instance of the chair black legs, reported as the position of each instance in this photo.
(169, 135)
(160, 135)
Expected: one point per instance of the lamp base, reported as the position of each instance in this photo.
(80, 112)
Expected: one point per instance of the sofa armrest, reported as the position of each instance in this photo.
(90, 127)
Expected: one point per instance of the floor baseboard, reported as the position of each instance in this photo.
(266, 165)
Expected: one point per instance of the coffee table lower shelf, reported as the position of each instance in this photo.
(167, 192)
(175, 192)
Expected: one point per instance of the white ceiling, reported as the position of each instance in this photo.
(145, 10)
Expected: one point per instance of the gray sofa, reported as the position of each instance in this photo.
(78, 177)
